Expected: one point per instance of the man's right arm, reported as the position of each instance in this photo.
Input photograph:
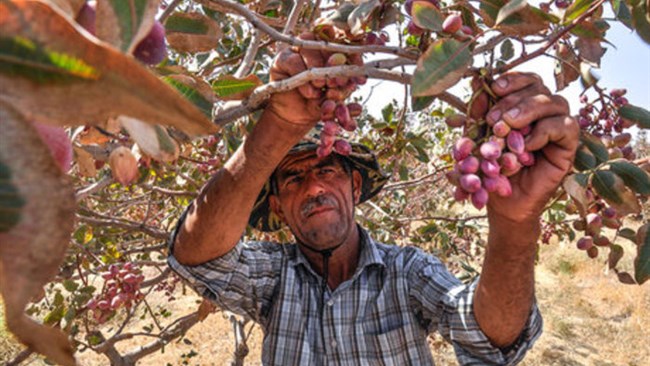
(219, 215)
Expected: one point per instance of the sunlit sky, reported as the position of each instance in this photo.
(626, 66)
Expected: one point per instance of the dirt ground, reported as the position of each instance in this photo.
(590, 319)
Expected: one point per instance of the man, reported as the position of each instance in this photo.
(336, 296)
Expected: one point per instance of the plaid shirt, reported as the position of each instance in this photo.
(380, 316)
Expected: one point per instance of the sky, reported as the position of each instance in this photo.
(626, 66)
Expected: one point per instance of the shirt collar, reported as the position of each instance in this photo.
(369, 255)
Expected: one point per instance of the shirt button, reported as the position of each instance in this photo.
(333, 343)
(330, 302)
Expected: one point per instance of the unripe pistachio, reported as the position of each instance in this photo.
(124, 166)
(452, 23)
(460, 194)
(592, 252)
(330, 128)
(468, 165)
(355, 109)
(622, 140)
(501, 129)
(413, 29)
(490, 168)
(463, 148)
(585, 242)
(615, 153)
(342, 147)
(490, 150)
(601, 241)
(470, 182)
(526, 158)
(456, 120)
(509, 161)
(479, 198)
(515, 141)
(336, 59)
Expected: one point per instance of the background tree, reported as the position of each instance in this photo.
(135, 82)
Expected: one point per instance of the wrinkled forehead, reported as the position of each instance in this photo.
(304, 161)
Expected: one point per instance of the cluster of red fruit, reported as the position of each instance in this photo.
(599, 216)
(485, 157)
(604, 122)
(121, 289)
(150, 50)
(336, 115)
(452, 24)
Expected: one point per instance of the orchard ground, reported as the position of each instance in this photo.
(590, 319)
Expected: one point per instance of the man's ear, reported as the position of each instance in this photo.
(274, 204)
(357, 180)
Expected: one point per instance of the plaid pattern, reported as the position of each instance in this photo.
(381, 316)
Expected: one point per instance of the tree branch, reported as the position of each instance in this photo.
(294, 41)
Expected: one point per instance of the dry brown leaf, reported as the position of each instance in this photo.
(109, 30)
(85, 163)
(188, 42)
(121, 87)
(92, 136)
(32, 250)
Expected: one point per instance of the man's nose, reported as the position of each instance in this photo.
(313, 185)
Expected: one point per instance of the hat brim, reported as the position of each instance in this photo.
(362, 159)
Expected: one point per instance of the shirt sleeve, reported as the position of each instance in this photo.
(445, 304)
(242, 281)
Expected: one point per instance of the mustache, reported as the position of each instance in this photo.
(317, 202)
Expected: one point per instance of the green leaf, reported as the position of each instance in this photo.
(615, 255)
(192, 95)
(576, 9)
(70, 285)
(129, 15)
(22, 57)
(427, 16)
(612, 189)
(388, 112)
(11, 202)
(584, 159)
(229, 87)
(178, 22)
(642, 260)
(420, 103)
(633, 176)
(510, 8)
(55, 315)
(628, 234)
(604, 181)
(641, 21)
(622, 12)
(507, 50)
(596, 147)
(638, 115)
(441, 67)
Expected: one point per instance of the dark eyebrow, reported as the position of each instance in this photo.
(290, 172)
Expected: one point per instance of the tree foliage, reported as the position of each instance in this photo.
(155, 96)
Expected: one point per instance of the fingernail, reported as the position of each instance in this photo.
(502, 83)
(513, 113)
(494, 115)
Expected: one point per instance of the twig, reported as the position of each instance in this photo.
(237, 110)
(93, 188)
(292, 20)
(22, 356)
(249, 58)
(441, 218)
(168, 11)
(552, 41)
(316, 45)
(125, 224)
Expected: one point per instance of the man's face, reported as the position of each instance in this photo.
(316, 198)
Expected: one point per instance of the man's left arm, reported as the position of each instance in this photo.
(505, 292)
